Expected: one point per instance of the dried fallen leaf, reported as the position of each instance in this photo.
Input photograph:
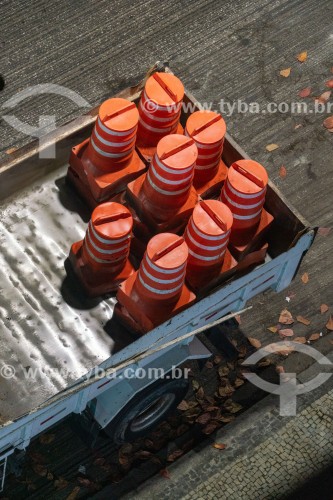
(255, 342)
(286, 332)
(300, 340)
(286, 317)
(209, 365)
(324, 97)
(60, 483)
(204, 418)
(200, 394)
(74, 493)
(305, 278)
(183, 405)
(40, 469)
(305, 92)
(226, 390)
(223, 371)
(49, 476)
(283, 172)
(46, 438)
(329, 83)
(217, 359)
(329, 324)
(285, 72)
(280, 369)
(302, 56)
(175, 454)
(314, 336)
(238, 382)
(323, 308)
(328, 122)
(226, 418)
(211, 427)
(195, 385)
(303, 320)
(271, 147)
(232, 406)
(10, 151)
(165, 473)
(219, 446)
(272, 329)
(277, 349)
(324, 231)
(298, 125)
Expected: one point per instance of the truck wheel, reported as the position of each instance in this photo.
(146, 410)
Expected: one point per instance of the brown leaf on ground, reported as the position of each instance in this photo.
(60, 483)
(255, 342)
(280, 369)
(302, 56)
(328, 122)
(46, 438)
(204, 418)
(329, 324)
(329, 83)
(314, 336)
(219, 446)
(209, 365)
(10, 151)
(324, 231)
(300, 340)
(226, 419)
(49, 476)
(324, 97)
(232, 406)
(303, 320)
(226, 390)
(272, 329)
(217, 359)
(74, 493)
(40, 469)
(183, 405)
(126, 449)
(143, 455)
(238, 382)
(283, 172)
(200, 394)
(286, 317)
(271, 147)
(211, 427)
(223, 371)
(298, 125)
(195, 385)
(86, 483)
(238, 319)
(305, 92)
(174, 455)
(324, 308)
(286, 332)
(277, 349)
(165, 473)
(305, 278)
(285, 72)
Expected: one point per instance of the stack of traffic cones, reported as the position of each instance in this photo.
(164, 198)
(159, 108)
(208, 129)
(244, 193)
(157, 290)
(100, 260)
(102, 166)
(207, 236)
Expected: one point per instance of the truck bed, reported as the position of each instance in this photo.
(45, 322)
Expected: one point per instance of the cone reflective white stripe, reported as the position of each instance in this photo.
(244, 193)
(159, 108)
(207, 235)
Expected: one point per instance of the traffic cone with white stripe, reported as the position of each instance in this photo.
(244, 193)
(164, 197)
(157, 290)
(100, 260)
(159, 109)
(208, 129)
(102, 166)
(207, 237)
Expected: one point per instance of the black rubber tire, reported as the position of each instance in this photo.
(146, 410)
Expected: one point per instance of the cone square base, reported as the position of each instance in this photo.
(148, 314)
(212, 188)
(97, 282)
(146, 153)
(96, 186)
(175, 222)
(200, 281)
(256, 240)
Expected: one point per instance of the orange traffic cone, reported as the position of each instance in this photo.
(207, 236)
(103, 165)
(159, 108)
(208, 129)
(244, 193)
(100, 260)
(164, 197)
(157, 290)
